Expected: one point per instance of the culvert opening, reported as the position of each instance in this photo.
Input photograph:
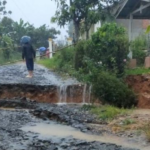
(47, 93)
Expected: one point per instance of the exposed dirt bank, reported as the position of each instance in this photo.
(141, 85)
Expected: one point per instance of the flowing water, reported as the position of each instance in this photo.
(62, 91)
(84, 93)
(65, 91)
(53, 130)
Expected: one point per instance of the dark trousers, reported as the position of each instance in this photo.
(30, 64)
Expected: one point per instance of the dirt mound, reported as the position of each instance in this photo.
(141, 86)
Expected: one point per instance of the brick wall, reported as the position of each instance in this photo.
(145, 24)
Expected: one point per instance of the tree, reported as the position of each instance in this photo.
(19, 30)
(3, 7)
(7, 46)
(16, 30)
(6, 25)
(78, 10)
(41, 35)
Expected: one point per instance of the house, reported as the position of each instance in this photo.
(92, 30)
(134, 15)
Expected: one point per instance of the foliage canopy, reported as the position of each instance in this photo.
(87, 12)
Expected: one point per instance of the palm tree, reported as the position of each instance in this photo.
(20, 29)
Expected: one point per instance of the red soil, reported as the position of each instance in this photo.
(141, 86)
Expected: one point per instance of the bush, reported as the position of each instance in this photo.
(65, 59)
(62, 61)
(111, 47)
(111, 90)
(82, 51)
(138, 46)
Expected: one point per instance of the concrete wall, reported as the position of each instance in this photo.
(138, 26)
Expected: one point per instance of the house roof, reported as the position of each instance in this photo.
(140, 9)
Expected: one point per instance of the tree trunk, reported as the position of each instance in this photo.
(76, 26)
(87, 34)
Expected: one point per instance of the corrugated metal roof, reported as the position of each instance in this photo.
(128, 6)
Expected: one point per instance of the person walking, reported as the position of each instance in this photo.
(28, 55)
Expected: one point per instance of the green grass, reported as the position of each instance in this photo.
(48, 63)
(137, 71)
(107, 112)
(128, 121)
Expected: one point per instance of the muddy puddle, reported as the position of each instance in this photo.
(53, 130)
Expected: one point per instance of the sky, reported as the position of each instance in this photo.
(36, 12)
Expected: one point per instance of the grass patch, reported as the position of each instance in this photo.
(137, 71)
(107, 112)
(129, 121)
(48, 63)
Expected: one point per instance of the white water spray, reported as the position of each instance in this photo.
(87, 93)
(84, 93)
(89, 96)
(62, 93)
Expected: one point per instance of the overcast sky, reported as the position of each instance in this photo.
(36, 12)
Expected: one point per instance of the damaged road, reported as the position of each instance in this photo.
(45, 86)
(20, 118)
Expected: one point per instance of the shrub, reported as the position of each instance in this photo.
(62, 61)
(138, 46)
(82, 50)
(111, 90)
(65, 59)
(111, 47)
